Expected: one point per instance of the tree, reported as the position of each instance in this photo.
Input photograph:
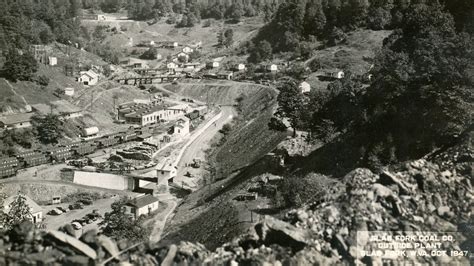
(111, 6)
(422, 84)
(265, 50)
(260, 52)
(49, 128)
(150, 54)
(19, 66)
(118, 225)
(228, 37)
(18, 213)
(297, 71)
(2, 198)
(225, 38)
(379, 18)
(290, 103)
(315, 19)
(235, 12)
(195, 54)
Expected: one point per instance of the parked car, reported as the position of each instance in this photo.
(76, 225)
(86, 201)
(62, 209)
(76, 206)
(55, 211)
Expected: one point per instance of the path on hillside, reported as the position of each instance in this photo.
(14, 92)
(159, 225)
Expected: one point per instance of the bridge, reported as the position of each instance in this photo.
(148, 80)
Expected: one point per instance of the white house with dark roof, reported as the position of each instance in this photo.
(35, 210)
(143, 205)
(88, 77)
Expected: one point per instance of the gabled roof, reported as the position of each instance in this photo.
(60, 106)
(16, 118)
(34, 207)
(142, 201)
(90, 73)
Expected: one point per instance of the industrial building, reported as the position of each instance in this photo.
(154, 112)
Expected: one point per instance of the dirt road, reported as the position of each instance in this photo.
(199, 145)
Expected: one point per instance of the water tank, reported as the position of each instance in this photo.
(89, 131)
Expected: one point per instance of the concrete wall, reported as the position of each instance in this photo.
(103, 180)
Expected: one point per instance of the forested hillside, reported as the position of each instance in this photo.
(25, 22)
(192, 9)
(296, 25)
(419, 97)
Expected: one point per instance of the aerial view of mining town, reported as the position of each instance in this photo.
(236, 132)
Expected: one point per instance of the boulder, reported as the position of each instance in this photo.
(274, 231)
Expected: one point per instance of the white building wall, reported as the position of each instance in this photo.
(103, 180)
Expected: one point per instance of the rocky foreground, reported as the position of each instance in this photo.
(418, 196)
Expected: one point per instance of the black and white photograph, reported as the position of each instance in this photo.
(236, 132)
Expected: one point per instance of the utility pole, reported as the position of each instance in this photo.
(92, 99)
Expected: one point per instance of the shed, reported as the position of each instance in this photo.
(88, 77)
(69, 91)
(90, 131)
(304, 87)
(52, 61)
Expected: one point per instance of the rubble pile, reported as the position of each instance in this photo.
(420, 196)
(137, 153)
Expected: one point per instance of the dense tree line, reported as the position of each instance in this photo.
(299, 21)
(193, 10)
(420, 97)
(25, 22)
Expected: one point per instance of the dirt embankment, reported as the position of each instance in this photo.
(235, 160)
